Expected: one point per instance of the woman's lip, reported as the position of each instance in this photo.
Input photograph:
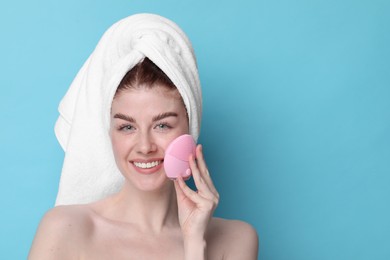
(147, 170)
(146, 160)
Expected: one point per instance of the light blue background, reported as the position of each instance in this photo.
(296, 124)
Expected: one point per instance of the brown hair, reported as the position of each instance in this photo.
(145, 74)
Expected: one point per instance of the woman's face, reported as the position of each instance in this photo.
(143, 122)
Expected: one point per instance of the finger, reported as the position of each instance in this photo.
(188, 192)
(201, 202)
(200, 159)
(203, 188)
(179, 192)
(201, 163)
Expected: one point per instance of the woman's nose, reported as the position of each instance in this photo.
(146, 144)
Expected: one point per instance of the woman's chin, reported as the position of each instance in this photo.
(150, 183)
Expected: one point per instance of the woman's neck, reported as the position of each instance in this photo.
(150, 211)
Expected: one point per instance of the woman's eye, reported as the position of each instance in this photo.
(163, 126)
(126, 128)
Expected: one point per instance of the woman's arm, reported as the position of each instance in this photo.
(195, 249)
(196, 207)
(239, 239)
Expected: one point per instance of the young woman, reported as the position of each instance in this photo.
(151, 216)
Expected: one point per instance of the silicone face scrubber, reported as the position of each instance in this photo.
(176, 157)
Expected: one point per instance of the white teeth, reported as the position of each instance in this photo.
(147, 165)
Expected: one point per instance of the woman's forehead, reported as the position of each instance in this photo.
(157, 89)
(148, 100)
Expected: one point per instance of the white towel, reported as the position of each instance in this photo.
(89, 172)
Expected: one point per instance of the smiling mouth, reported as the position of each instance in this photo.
(147, 165)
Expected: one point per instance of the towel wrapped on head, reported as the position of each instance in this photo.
(89, 171)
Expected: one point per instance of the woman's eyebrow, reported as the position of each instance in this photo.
(164, 115)
(124, 117)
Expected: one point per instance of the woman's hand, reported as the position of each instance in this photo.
(196, 208)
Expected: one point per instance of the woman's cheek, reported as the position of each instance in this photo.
(118, 143)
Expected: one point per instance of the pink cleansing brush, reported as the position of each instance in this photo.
(176, 157)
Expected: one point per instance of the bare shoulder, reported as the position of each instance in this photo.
(239, 239)
(61, 229)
